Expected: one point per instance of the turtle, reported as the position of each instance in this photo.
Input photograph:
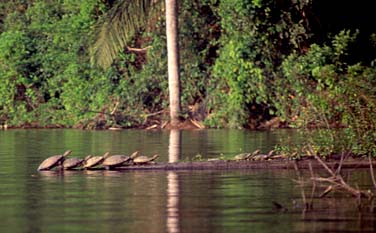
(144, 159)
(72, 163)
(246, 156)
(114, 161)
(92, 161)
(258, 157)
(242, 156)
(53, 161)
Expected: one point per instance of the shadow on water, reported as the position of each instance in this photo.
(159, 201)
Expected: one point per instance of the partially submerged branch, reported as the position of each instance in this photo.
(334, 182)
(337, 180)
(372, 173)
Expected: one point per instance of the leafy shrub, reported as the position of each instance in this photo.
(44, 63)
(256, 37)
(320, 89)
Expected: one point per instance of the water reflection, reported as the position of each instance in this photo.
(172, 223)
(174, 149)
(174, 146)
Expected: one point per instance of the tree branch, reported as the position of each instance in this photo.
(139, 49)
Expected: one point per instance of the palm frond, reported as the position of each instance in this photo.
(117, 27)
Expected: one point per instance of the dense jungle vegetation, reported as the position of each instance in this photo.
(244, 64)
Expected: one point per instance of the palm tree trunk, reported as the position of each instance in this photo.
(173, 60)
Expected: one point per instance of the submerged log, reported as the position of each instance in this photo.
(246, 164)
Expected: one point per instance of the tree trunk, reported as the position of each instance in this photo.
(173, 60)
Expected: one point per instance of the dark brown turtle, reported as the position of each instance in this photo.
(144, 159)
(114, 161)
(92, 161)
(53, 161)
(72, 163)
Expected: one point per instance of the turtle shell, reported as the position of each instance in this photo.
(72, 163)
(116, 160)
(52, 161)
(242, 156)
(92, 161)
(144, 159)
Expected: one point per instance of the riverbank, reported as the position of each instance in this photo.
(185, 124)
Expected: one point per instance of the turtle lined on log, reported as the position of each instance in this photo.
(114, 161)
(53, 161)
(93, 161)
(73, 163)
(144, 159)
(246, 156)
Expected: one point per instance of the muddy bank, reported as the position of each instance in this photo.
(184, 124)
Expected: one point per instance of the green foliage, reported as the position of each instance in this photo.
(45, 64)
(45, 61)
(245, 81)
(256, 36)
(320, 89)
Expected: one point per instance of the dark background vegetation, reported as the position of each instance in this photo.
(244, 64)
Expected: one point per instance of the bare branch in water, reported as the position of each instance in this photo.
(343, 156)
(335, 181)
(371, 171)
(326, 191)
(313, 185)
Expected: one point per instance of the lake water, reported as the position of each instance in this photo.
(161, 201)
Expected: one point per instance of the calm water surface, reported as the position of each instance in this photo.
(159, 201)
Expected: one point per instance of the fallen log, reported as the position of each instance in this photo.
(246, 164)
